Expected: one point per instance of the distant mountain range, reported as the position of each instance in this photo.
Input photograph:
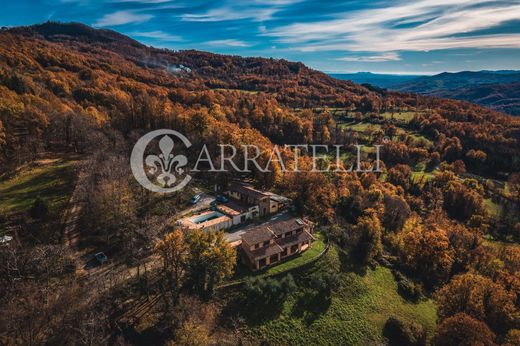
(499, 90)
(380, 80)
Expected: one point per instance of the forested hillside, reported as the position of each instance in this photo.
(66, 70)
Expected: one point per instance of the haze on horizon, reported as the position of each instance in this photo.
(399, 37)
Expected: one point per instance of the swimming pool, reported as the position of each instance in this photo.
(205, 217)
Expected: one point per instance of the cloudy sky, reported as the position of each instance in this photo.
(397, 36)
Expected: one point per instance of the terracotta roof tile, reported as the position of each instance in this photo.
(257, 234)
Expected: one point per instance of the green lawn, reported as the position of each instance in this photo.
(361, 127)
(52, 180)
(427, 176)
(418, 137)
(354, 315)
(317, 248)
(493, 208)
(496, 245)
(405, 116)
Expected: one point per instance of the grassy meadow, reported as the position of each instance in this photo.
(353, 315)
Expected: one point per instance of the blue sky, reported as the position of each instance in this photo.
(398, 36)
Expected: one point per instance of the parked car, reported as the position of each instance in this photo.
(222, 199)
(195, 199)
(101, 257)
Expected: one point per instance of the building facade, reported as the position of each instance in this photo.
(274, 241)
(267, 202)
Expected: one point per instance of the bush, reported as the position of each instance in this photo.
(324, 281)
(266, 292)
(407, 288)
(400, 333)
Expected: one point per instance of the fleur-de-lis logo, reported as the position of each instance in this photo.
(165, 161)
(164, 166)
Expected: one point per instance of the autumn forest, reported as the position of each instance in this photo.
(437, 232)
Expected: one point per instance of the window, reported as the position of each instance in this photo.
(266, 243)
(261, 263)
(257, 245)
(284, 253)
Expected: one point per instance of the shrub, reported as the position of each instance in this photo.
(400, 333)
(265, 292)
(407, 288)
(323, 281)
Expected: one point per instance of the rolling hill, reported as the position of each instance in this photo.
(494, 89)
(377, 79)
(51, 70)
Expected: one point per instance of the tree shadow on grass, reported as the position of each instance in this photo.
(311, 305)
(252, 313)
(350, 264)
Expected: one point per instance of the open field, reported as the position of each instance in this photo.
(51, 180)
(422, 175)
(354, 315)
(405, 116)
(497, 245)
(494, 209)
(360, 127)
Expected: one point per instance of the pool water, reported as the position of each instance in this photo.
(203, 218)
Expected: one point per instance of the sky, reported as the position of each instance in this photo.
(398, 36)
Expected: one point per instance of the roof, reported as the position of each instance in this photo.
(278, 198)
(248, 191)
(292, 224)
(187, 221)
(266, 251)
(294, 239)
(257, 234)
(233, 208)
(228, 210)
(268, 230)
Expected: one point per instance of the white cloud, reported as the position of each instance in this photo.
(122, 17)
(409, 25)
(257, 10)
(373, 58)
(488, 41)
(143, 1)
(157, 35)
(229, 13)
(228, 43)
